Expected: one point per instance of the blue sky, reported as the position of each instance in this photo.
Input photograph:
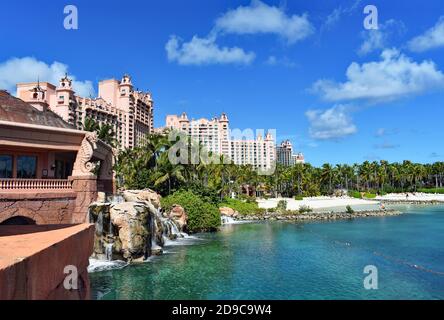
(308, 69)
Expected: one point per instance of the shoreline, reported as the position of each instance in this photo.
(319, 216)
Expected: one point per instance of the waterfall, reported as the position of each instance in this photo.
(108, 240)
(109, 251)
(99, 224)
(115, 198)
(227, 220)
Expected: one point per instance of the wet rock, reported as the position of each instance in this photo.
(228, 212)
(179, 216)
(143, 195)
(132, 220)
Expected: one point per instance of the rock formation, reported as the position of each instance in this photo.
(134, 229)
(228, 212)
(179, 216)
(142, 195)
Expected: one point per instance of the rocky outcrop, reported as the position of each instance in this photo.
(228, 212)
(133, 223)
(142, 195)
(134, 230)
(178, 215)
(319, 215)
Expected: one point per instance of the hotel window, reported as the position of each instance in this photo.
(5, 167)
(26, 167)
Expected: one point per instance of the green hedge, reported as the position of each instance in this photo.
(202, 216)
(355, 194)
(243, 207)
(369, 195)
(432, 190)
(298, 198)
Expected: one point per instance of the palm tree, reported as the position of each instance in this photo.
(90, 125)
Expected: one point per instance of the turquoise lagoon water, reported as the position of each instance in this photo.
(281, 260)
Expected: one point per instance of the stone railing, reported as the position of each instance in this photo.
(34, 184)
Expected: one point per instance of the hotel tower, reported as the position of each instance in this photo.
(128, 111)
(215, 135)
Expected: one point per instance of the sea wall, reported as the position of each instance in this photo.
(318, 216)
(33, 262)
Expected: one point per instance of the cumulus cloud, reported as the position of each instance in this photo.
(394, 76)
(376, 39)
(432, 38)
(203, 51)
(259, 17)
(330, 124)
(29, 69)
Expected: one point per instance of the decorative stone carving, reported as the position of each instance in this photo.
(83, 165)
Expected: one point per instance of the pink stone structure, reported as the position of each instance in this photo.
(36, 260)
(50, 172)
(129, 112)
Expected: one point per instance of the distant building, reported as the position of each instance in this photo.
(129, 112)
(285, 155)
(215, 135)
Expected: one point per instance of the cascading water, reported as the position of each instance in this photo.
(109, 243)
(227, 220)
(109, 251)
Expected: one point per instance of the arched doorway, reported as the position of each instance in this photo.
(18, 221)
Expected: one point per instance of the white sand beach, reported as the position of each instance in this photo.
(412, 197)
(316, 203)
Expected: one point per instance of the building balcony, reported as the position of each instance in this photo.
(35, 185)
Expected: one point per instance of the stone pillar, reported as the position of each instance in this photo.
(86, 189)
(84, 181)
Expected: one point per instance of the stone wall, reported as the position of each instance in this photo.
(51, 207)
(43, 208)
(33, 262)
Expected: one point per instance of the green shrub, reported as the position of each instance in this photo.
(305, 209)
(281, 206)
(298, 198)
(349, 210)
(202, 216)
(243, 207)
(369, 195)
(432, 190)
(354, 194)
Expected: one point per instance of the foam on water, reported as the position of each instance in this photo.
(96, 265)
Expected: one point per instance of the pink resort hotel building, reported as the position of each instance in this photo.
(216, 136)
(128, 111)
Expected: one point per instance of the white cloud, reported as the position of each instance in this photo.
(29, 69)
(203, 51)
(336, 15)
(376, 39)
(394, 76)
(285, 62)
(259, 17)
(432, 38)
(333, 123)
